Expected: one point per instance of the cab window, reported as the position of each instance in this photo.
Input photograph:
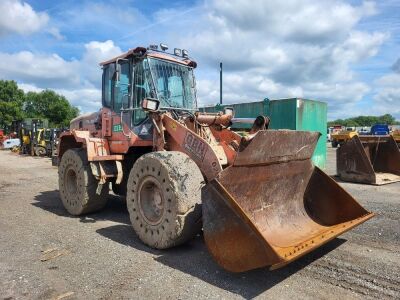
(108, 74)
(121, 88)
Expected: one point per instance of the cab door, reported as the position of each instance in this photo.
(141, 125)
(121, 99)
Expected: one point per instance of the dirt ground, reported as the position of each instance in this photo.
(46, 254)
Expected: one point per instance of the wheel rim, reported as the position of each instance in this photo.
(151, 200)
(71, 182)
(41, 152)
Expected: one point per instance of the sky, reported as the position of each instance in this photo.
(346, 53)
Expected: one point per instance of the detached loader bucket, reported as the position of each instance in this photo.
(272, 205)
(369, 159)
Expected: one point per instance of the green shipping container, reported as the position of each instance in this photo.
(293, 113)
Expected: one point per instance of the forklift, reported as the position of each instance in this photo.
(31, 133)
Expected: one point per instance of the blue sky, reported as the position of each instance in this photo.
(341, 52)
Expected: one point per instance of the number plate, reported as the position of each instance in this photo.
(117, 127)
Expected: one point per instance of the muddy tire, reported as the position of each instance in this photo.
(40, 151)
(164, 198)
(78, 186)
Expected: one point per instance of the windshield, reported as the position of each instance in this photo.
(174, 84)
(47, 134)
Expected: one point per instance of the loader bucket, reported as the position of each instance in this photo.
(369, 159)
(271, 206)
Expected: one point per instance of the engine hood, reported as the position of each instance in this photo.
(84, 121)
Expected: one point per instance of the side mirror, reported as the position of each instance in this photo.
(150, 104)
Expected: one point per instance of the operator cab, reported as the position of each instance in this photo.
(148, 73)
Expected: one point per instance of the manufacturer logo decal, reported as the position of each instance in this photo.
(195, 146)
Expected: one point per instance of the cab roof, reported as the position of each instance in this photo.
(142, 51)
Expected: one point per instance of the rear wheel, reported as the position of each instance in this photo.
(78, 186)
(164, 198)
(40, 151)
(334, 144)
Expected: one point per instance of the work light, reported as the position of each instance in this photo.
(177, 51)
(163, 47)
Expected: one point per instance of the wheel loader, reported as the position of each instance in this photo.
(340, 137)
(258, 198)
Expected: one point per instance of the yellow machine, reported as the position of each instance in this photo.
(25, 138)
(339, 138)
(42, 140)
(33, 136)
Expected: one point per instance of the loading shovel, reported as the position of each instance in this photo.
(369, 159)
(272, 205)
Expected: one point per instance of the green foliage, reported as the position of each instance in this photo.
(49, 105)
(11, 102)
(9, 111)
(16, 105)
(365, 121)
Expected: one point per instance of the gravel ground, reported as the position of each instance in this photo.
(46, 254)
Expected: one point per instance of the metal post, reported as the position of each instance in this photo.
(220, 83)
(33, 137)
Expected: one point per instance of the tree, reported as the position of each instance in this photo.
(49, 105)
(365, 121)
(16, 105)
(11, 102)
(388, 119)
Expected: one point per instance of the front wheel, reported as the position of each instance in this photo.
(164, 198)
(78, 187)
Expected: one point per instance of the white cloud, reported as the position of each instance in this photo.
(43, 70)
(304, 21)
(387, 96)
(359, 46)
(26, 87)
(19, 17)
(78, 80)
(280, 49)
(275, 49)
(86, 99)
(55, 32)
(96, 52)
(52, 71)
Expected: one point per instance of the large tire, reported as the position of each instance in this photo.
(334, 144)
(164, 198)
(78, 186)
